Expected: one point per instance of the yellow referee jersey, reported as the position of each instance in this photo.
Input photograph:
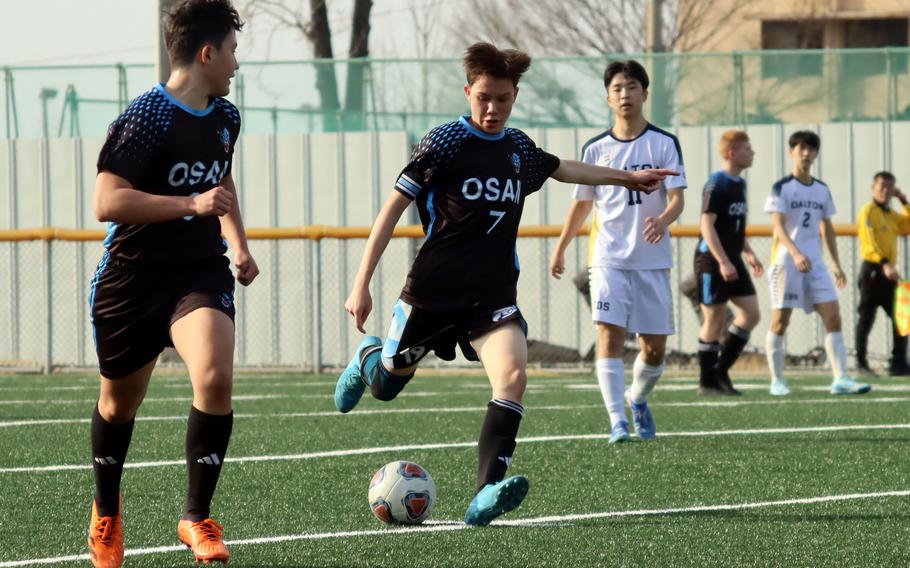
(878, 228)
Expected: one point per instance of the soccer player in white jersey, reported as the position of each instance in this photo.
(630, 252)
(801, 207)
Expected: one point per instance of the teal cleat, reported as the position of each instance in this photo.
(620, 433)
(846, 385)
(641, 418)
(779, 387)
(351, 383)
(496, 499)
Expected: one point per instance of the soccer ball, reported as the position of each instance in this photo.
(402, 492)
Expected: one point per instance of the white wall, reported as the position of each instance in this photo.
(293, 314)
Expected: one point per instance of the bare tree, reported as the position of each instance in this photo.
(592, 27)
(310, 19)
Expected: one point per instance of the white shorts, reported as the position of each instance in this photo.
(637, 300)
(791, 288)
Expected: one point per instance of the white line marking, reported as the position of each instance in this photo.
(447, 526)
(412, 410)
(235, 397)
(447, 445)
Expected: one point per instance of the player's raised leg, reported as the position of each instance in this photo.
(504, 354)
(386, 367)
(111, 432)
(204, 338)
(841, 383)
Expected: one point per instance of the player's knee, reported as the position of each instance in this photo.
(779, 326)
(118, 410)
(513, 383)
(833, 322)
(653, 354)
(213, 384)
(750, 319)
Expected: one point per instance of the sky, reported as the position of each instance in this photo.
(112, 31)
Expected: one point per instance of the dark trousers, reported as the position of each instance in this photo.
(876, 291)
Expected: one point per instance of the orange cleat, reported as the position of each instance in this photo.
(204, 538)
(105, 540)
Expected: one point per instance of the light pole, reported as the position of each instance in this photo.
(46, 94)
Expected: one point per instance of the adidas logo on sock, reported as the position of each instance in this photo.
(106, 461)
(211, 459)
(506, 460)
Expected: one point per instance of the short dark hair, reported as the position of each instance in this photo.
(885, 175)
(194, 23)
(631, 68)
(806, 137)
(486, 59)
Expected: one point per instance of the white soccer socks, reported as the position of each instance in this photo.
(837, 354)
(644, 378)
(612, 380)
(774, 350)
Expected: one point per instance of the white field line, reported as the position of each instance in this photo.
(450, 445)
(235, 397)
(683, 387)
(447, 526)
(335, 414)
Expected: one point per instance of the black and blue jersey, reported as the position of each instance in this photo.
(470, 188)
(164, 147)
(725, 196)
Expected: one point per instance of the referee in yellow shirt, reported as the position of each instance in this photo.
(878, 227)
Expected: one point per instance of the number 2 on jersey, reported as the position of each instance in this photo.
(499, 215)
(806, 217)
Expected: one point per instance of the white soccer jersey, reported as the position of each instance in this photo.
(804, 207)
(619, 213)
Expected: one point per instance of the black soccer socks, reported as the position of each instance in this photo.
(110, 443)
(707, 361)
(207, 437)
(497, 440)
(736, 340)
(383, 385)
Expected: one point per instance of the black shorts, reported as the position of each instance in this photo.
(415, 332)
(133, 306)
(710, 285)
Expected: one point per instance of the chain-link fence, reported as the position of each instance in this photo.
(293, 315)
(687, 89)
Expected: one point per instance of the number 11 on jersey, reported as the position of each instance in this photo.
(634, 197)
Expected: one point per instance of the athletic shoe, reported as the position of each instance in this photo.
(712, 390)
(496, 499)
(641, 418)
(351, 383)
(204, 539)
(723, 379)
(846, 385)
(779, 387)
(620, 433)
(105, 540)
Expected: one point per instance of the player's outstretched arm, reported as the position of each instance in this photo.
(359, 304)
(572, 171)
(578, 212)
(827, 230)
(234, 233)
(116, 200)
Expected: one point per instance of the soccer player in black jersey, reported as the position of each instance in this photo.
(720, 273)
(164, 186)
(469, 179)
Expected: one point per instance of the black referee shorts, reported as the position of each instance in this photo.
(133, 306)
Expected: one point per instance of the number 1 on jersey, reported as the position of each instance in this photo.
(634, 197)
(499, 215)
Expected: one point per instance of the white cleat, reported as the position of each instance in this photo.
(779, 387)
